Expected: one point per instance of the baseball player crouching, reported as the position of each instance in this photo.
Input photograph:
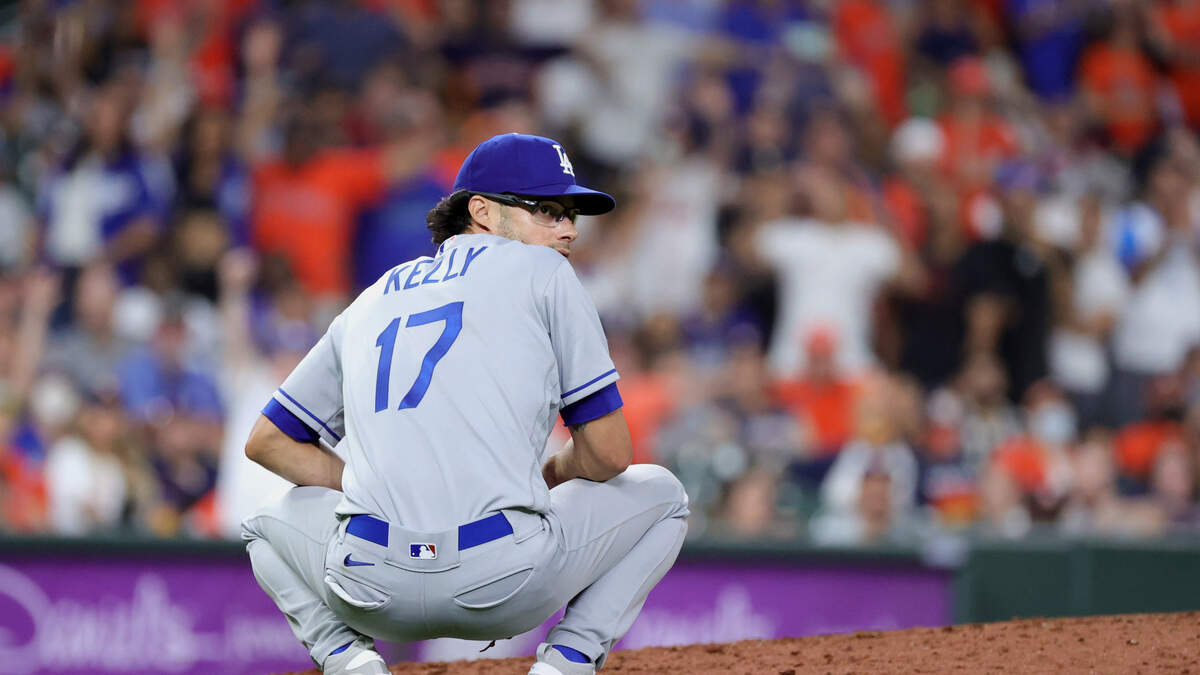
(441, 383)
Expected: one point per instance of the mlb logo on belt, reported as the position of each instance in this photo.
(422, 551)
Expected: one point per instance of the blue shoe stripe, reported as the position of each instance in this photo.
(572, 655)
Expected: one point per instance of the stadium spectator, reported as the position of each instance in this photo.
(1093, 502)
(916, 146)
(823, 401)
(25, 308)
(339, 42)
(752, 32)
(1160, 322)
(23, 498)
(1097, 293)
(874, 520)
(1118, 80)
(768, 144)
(1094, 505)
(769, 434)
(721, 324)
(1002, 509)
(89, 349)
(673, 238)
(750, 510)
(1049, 35)
(978, 139)
(98, 205)
(948, 484)
(1173, 489)
(1138, 444)
(615, 85)
(831, 269)
(947, 32)
(868, 39)
(927, 305)
(1073, 163)
(211, 174)
(250, 370)
(305, 204)
(85, 477)
(394, 228)
(1176, 27)
(16, 226)
(1006, 285)
(878, 446)
(988, 418)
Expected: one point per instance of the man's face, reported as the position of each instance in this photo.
(520, 224)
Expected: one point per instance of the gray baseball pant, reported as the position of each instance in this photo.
(599, 550)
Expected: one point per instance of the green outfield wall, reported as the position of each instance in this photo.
(1002, 580)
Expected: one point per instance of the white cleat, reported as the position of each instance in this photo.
(359, 659)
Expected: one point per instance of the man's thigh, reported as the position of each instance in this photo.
(590, 528)
(597, 524)
(298, 527)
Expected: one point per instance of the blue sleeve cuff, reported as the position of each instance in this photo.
(289, 424)
(593, 406)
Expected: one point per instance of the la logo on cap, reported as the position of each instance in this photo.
(563, 161)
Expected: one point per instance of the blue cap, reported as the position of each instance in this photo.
(530, 166)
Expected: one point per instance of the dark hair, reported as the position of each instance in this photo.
(449, 217)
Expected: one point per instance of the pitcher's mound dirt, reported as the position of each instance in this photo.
(1131, 643)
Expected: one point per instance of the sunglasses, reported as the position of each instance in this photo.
(546, 213)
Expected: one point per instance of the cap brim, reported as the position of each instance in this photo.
(589, 202)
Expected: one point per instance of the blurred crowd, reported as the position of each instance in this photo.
(880, 269)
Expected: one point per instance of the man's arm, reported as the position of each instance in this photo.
(300, 463)
(598, 450)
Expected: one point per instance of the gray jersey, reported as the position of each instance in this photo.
(443, 380)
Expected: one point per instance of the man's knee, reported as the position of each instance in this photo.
(664, 483)
(251, 526)
(296, 506)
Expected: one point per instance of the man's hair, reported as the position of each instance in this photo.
(449, 217)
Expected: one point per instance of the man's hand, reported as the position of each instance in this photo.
(597, 451)
(551, 473)
(556, 471)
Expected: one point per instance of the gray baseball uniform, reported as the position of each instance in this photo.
(440, 385)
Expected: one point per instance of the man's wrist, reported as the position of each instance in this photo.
(561, 468)
(568, 468)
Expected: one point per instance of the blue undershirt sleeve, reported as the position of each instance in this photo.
(593, 406)
(289, 423)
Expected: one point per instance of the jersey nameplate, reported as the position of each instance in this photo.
(431, 270)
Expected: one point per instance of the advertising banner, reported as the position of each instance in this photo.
(130, 615)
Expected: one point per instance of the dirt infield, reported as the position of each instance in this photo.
(1132, 643)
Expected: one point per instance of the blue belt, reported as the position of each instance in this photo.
(479, 532)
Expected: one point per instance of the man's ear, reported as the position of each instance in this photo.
(482, 213)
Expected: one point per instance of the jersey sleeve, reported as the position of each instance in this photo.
(580, 348)
(312, 393)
